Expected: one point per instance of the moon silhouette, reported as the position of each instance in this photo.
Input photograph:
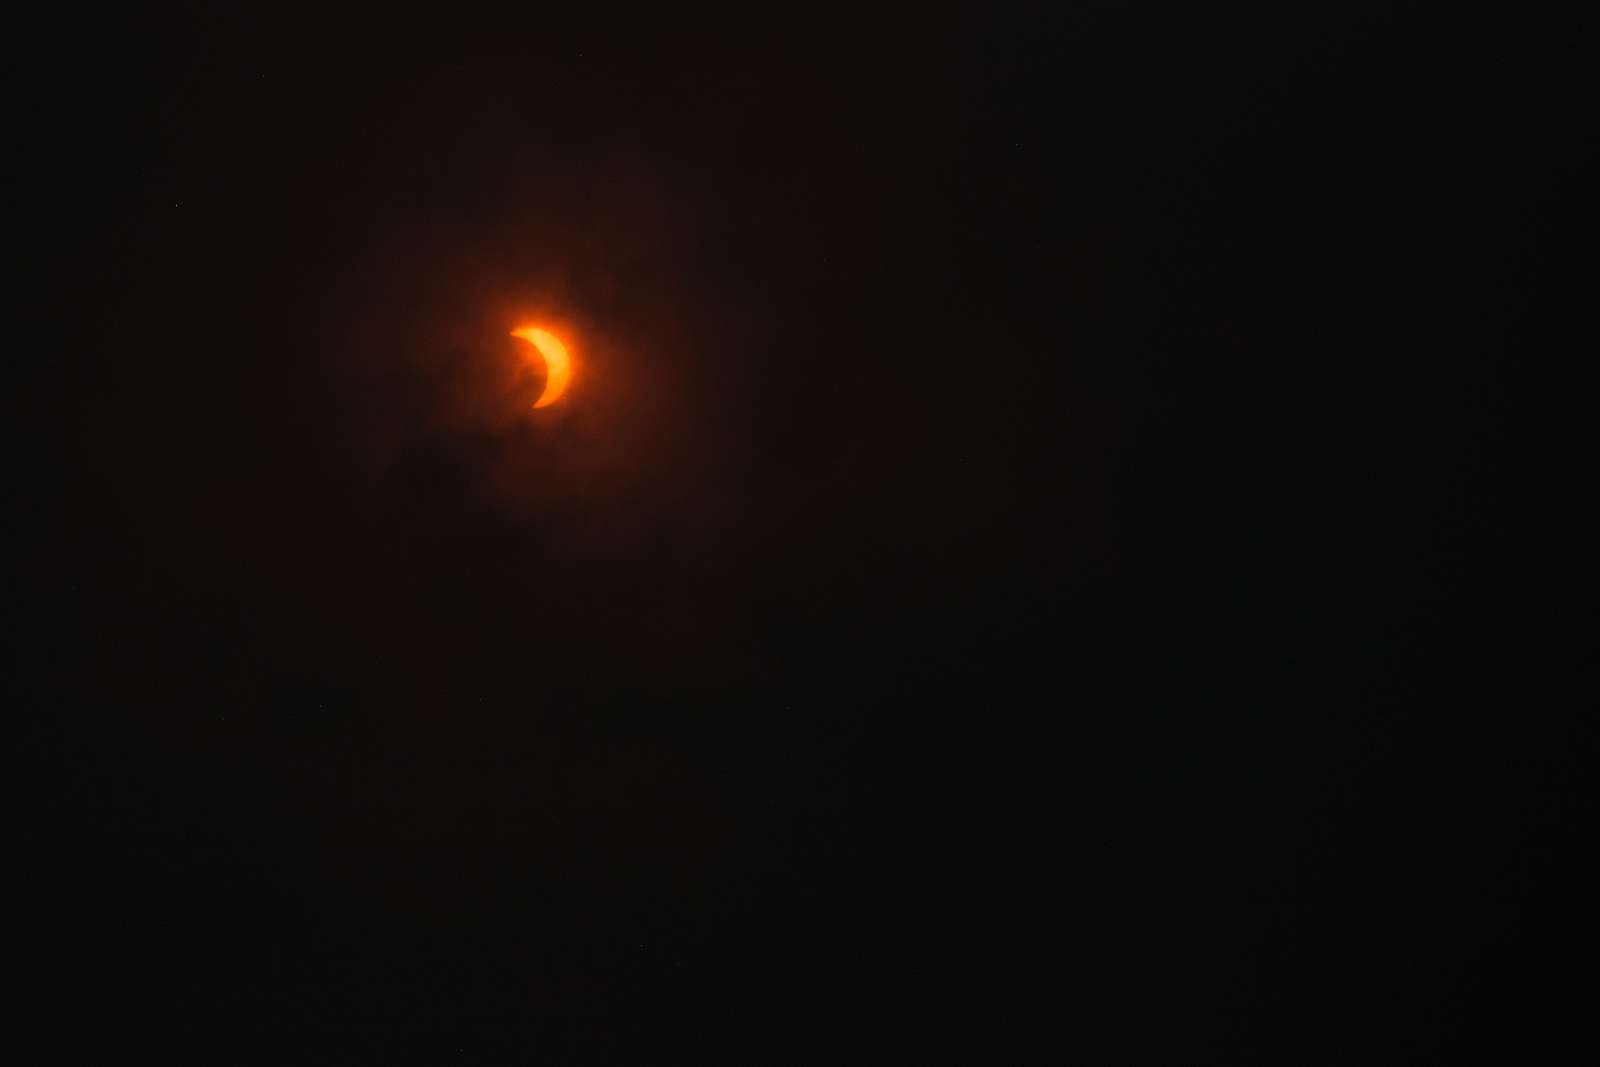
(557, 363)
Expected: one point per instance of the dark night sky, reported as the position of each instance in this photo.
(1047, 555)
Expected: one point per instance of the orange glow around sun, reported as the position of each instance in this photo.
(557, 363)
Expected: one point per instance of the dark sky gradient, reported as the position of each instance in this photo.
(1046, 556)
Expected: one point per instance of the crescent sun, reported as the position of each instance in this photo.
(557, 363)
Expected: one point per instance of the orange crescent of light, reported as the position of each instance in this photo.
(557, 363)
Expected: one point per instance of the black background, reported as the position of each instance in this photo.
(1049, 553)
